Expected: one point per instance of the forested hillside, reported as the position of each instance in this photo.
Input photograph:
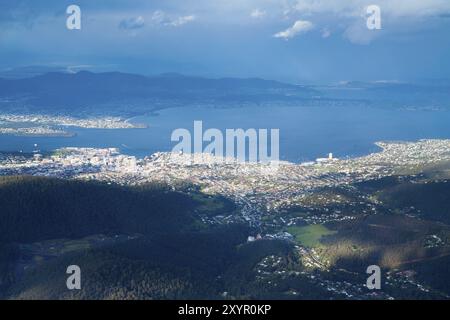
(35, 209)
(48, 224)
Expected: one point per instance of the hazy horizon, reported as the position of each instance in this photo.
(29, 71)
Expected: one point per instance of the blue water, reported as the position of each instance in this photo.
(305, 132)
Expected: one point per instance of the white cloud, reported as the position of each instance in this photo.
(257, 14)
(161, 18)
(300, 26)
(182, 20)
(349, 16)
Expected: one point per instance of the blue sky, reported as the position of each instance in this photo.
(315, 41)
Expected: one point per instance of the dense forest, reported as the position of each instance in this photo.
(171, 258)
(432, 199)
(35, 209)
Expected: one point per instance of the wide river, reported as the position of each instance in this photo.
(305, 132)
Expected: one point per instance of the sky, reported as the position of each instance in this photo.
(300, 41)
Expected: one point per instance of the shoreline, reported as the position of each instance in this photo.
(381, 145)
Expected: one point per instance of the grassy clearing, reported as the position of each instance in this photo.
(311, 235)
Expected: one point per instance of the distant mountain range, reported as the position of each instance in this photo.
(116, 93)
(59, 91)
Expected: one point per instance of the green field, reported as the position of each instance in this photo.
(310, 236)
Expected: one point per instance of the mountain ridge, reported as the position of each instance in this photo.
(59, 91)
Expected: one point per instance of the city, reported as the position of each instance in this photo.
(258, 189)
